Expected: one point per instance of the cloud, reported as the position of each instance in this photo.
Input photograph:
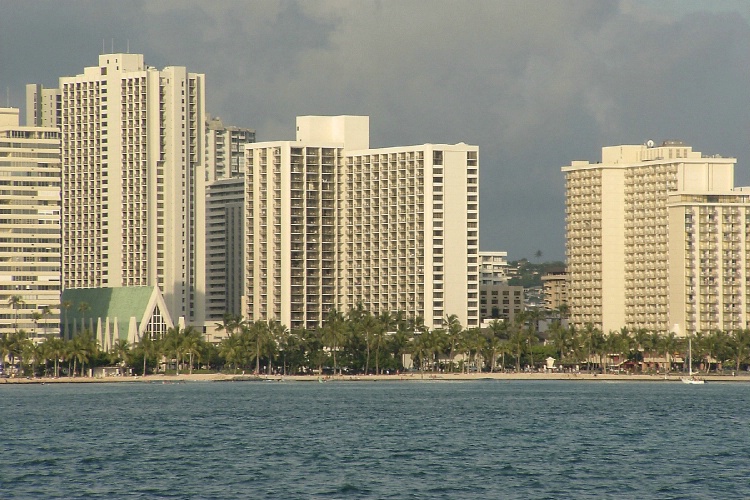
(534, 84)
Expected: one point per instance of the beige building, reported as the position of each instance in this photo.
(627, 240)
(501, 301)
(555, 284)
(132, 150)
(225, 149)
(493, 268)
(29, 225)
(333, 223)
(43, 106)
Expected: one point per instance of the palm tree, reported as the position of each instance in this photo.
(229, 324)
(517, 342)
(35, 317)
(46, 312)
(669, 345)
(84, 346)
(231, 348)
(334, 334)
(15, 301)
(739, 344)
(493, 346)
(642, 341)
(66, 305)
(191, 344)
(276, 335)
(172, 345)
(18, 346)
(372, 329)
(453, 330)
(419, 348)
(121, 351)
(56, 349)
(257, 334)
(83, 308)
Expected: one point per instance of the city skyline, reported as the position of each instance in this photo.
(534, 86)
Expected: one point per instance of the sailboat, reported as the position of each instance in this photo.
(691, 379)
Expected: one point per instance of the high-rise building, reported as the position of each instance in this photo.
(133, 142)
(555, 284)
(43, 106)
(29, 226)
(333, 223)
(654, 239)
(225, 255)
(493, 268)
(225, 149)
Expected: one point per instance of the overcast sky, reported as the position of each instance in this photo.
(534, 84)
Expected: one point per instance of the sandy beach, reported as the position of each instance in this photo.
(408, 377)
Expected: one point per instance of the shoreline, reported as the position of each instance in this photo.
(408, 377)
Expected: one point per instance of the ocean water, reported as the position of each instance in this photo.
(404, 440)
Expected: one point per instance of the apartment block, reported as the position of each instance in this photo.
(30, 246)
(493, 268)
(623, 236)
(333, 223)
(555, 287)
(225, 149)
(43, 106)
(225, 255)
(500, 301)
(133, 140)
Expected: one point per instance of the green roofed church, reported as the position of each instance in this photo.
(125, 313)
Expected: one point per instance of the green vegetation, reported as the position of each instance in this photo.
(359, 342)
(530, 274)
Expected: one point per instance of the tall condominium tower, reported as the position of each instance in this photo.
(43, 106)
(655, 238)
(225, 255)
(333, 223)
(29, 225)
(225, 149)
(132, 143)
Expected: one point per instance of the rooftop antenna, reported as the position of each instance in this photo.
(128, 46)
(7, 97)
(113, 46)
(103, 49)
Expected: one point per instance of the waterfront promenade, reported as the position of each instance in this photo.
(405, 377)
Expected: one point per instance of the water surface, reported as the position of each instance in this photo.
(419, 440)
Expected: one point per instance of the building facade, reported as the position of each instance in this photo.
(30, 246)
(333, 223)
(225, 149)
(624, 260)
(555, 284)
(501, 301)
(225, 255)
(133, 140)
(493, 268)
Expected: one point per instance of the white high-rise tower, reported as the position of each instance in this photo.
(132, 150)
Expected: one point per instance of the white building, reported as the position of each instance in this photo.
(225, 149)
(656, 237)
(493, 268)
(43, 106)
(29, 225)
(333, 223)
(132, 149)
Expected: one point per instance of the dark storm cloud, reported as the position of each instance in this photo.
(534, 84)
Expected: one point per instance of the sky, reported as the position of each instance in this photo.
(535, 84)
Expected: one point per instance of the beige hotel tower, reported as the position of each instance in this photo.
(29, 225)
(657, 238)
(133, 142)
(332, 223)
